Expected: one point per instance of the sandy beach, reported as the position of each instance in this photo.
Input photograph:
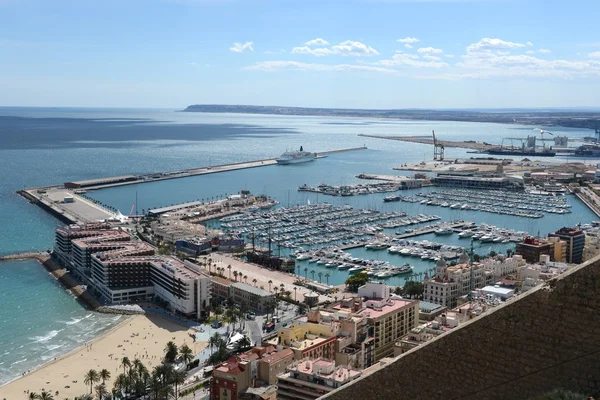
(139, 336)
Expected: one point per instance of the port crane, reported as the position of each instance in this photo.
(438, 149)
(542, 132)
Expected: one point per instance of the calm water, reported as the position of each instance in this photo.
(48, 146)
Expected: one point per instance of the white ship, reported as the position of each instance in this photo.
(296, 157)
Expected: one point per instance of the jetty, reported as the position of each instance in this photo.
(68, 203)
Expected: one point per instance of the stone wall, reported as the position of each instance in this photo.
(547, 338)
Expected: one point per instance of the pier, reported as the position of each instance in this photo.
(427, 230)
(66, 203)
(472, 145)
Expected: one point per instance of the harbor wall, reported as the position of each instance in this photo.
(547, 338)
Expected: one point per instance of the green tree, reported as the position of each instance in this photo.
(105, 375)
(355, 281)
(312, 272)
(90, 378)
(320, 274)
(414, 289)
(170, 352)
(101, 391)
(33, 396)
(186, 353)
(229, 268)
(245, 343)
(125, 363)
(46, 396)
(177, 379)
(270, 283)
(254, 281)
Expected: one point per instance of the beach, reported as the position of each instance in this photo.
(139, 336)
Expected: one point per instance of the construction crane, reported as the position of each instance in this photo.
(438, 149)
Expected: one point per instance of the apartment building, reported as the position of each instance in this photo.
(257, 368)
(452, 282)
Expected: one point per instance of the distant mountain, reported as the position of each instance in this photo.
(576, 117)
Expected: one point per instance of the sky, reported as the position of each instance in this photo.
(327, 53)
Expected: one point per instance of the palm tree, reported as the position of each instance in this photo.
(105, 374)
(245, 278)
(244, 342)
(122, 383)
(281, 288)
(229, 268)
(254, 281)
(46, 396)
(33, 396)
(186, 353)
(170, 351)
(312, 272)
(91, 377)
(101, 391)
(235, 275)
(295, 289)
(327, 278)
(155, 385)
(320, 276)
(298, 268)
(215, 341)
(306, 272)
(177, 379)
(275, 289)
(86, 396)
(115, 394)
(270, 282)
(125, 363)
(138, 365)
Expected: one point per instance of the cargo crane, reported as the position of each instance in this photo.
(542, 132)
(438, 149)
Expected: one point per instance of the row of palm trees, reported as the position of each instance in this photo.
(313, 272)
(136, 379)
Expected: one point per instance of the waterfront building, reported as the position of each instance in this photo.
(310, 379)
(220, 287)
(575, 239)
(255, 297)
(451, 282)
(479, 182)
(65, 235)
(374, 290)
(125, 279)
(249, 374)
(500, 266)
(532, 249)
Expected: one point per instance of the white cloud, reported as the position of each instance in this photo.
(240, 47)
(346, 48)
(431, 58)
(544, 51)
(529, 44)
(411, 60)
(530, 52)
(408, 40)
(317, 42)
(595, 54)
(487, 44)
(272, 66)
(408, 45)
(429, 50)
(450, 55)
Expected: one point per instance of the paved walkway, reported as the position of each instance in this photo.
(263, 276)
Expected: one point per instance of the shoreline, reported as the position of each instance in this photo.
(137, 336)
(70, 352)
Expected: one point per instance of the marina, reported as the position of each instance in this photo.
(528, 205)
(351, 190)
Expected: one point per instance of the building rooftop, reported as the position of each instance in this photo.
(377, 308)
(221, 280)
(324, 369)
(428, 307)
(251, 289)
(170, 265)
(99, 181)
(497, 290)
(277, 356)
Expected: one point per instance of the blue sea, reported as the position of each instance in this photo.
(38, 146)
